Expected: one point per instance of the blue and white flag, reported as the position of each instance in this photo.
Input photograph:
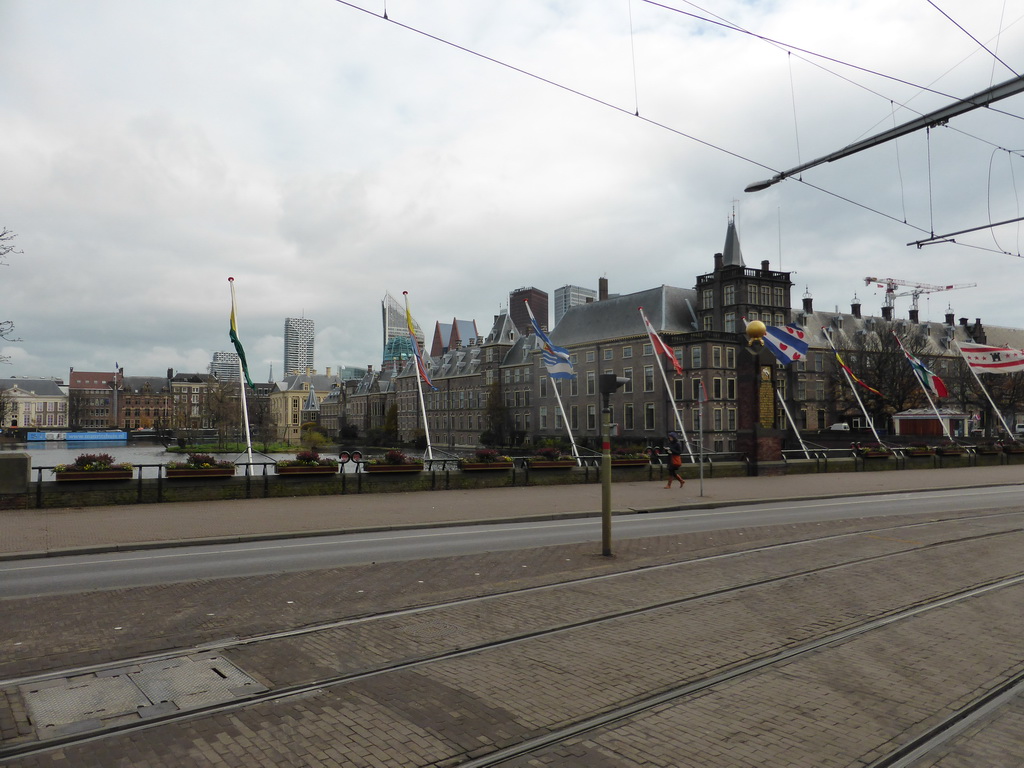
(787, 343)
(556, 359)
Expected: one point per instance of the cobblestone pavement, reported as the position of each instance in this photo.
(808, 713)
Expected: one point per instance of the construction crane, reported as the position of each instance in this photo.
(916, 289)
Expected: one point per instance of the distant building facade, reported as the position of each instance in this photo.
(225, 366)
(569, 296)
(538, 305)
(35, 404)
(298, 344)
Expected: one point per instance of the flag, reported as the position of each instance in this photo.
(787, 343)
(660, 347)
(986, 359)
(555, 359)
(854, 378)
(420, 367)
(233, 334)
(929, 380)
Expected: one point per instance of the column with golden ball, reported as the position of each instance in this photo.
(757, 437)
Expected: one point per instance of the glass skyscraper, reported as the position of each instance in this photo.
(298, 345)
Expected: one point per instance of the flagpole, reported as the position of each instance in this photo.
(241, 378)
(785, 409)
(549, 347)
(853, 389)
(417, 362)
(987, 395)
(924, 389)
(664, 377)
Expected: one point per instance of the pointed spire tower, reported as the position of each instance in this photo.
(732, 256)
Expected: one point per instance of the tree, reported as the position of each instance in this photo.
(496, 416)
(7, 248)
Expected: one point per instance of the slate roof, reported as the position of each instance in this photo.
(38, 387)
(732, 256)
(844, 329)
(136, 385)
(670, 310)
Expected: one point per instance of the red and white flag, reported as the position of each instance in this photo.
(660, 347)
(985, 359)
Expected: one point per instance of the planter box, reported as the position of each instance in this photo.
(482, 466)
(875, 455)
(191, 472)
(552, 464)
(382, 468)
(630, 462)
(99, 474)
(310, 470)
(920, 454)
(950, 452)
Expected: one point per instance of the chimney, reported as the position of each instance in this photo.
(602, 288)
(328, 369)
(369, 369)
(719, 261)
(808, 305)
(887, 314)
(855, 307)
(963, 321)
(949, 318)
(764, 265)
(913, 316)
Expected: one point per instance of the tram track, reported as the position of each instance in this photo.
(283, 692)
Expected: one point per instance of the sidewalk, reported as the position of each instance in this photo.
(33, 533)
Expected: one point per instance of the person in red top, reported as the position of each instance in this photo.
(675, 459)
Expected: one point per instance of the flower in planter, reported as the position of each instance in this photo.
(92, 462)
(550, 454)
(490, 456)
(308, 458)
(629, 453)
(200, 461)
(873, 448)
(394, 459)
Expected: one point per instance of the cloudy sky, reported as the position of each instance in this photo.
(324, 155)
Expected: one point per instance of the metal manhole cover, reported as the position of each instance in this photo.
(90, 702)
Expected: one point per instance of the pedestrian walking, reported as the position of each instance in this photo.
(675, 459)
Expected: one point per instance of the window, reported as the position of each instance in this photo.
(591, 383)
(716, 388)
(780, 319)
(649, 415)
(574, 416)
(574, 386)
(730, 357)
(708, 323)
(627, 352)
(729, 295)
(819, 362)
(730, 322)
(766, 295)
(543, 417)
(591, 355)
(730, 389)
(678, 389)
(648, 350)
(627, 373)
(707, 298)
(627, 416)
(543, 386)
(730, 419)
(716, 418)
(751, 294)
(695, 389)
(779, 296)
(608, 354)
(716, 357)
(648, 378)
(695, 357)
(592, 417)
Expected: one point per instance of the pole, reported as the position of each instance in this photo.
(675, 409)
(419, 384)
(987, 395)
(606, 479)
(700, 431)
(853, 389)
(927, 394)
(565, 420)
(241, 375)
(785, 409)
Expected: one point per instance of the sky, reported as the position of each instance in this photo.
(323, 155)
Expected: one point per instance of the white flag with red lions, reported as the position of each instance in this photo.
(985, 359)
(788, 343)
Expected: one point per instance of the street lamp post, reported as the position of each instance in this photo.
(607, 383)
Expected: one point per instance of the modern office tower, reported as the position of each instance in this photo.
(397, 345)
(298, 345)
(225, 366)
(517, 309)
(571, 296)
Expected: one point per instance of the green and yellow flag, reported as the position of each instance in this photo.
(233, 333)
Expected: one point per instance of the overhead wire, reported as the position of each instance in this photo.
(976, 40)
(703, 142)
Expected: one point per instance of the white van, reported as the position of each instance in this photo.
(846, 427)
